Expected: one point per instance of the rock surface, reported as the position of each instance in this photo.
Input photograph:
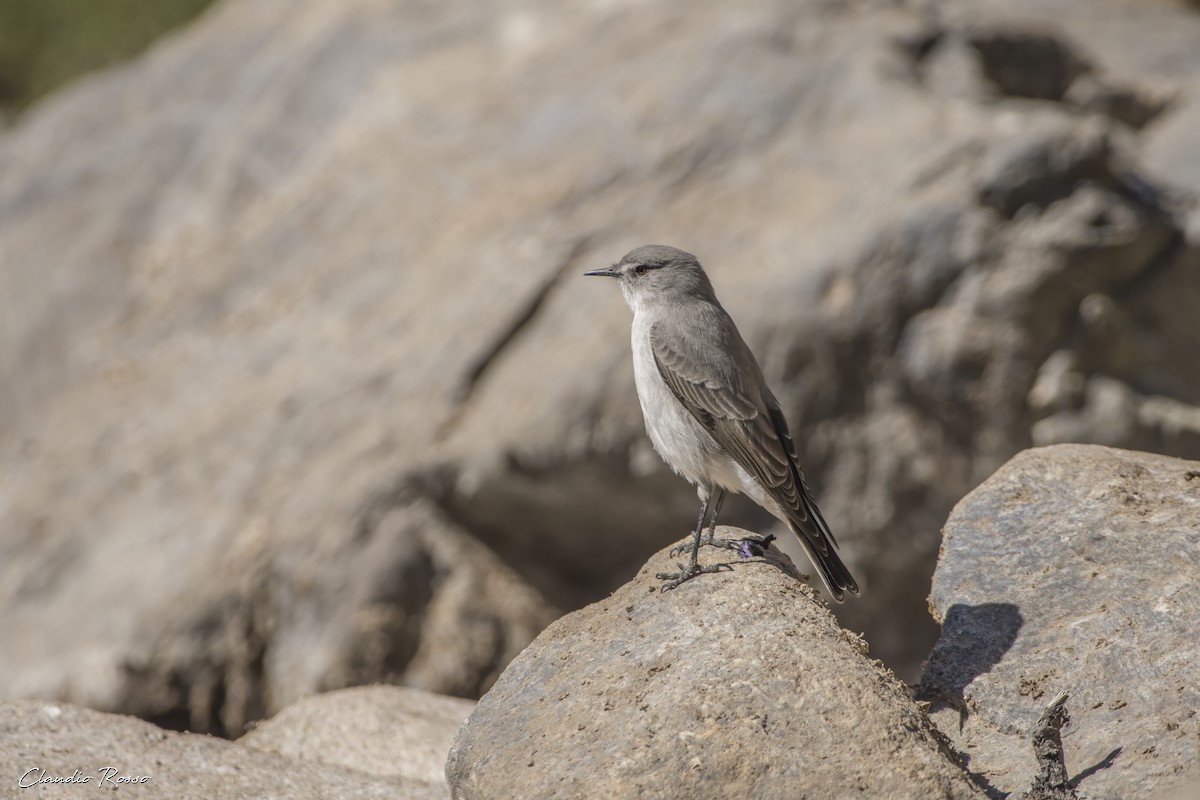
(1074, 568)
(411, 598)
(298, 387)
(44, 741)
(736, 684)
(384, 730)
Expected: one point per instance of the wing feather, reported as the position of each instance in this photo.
(748, 426)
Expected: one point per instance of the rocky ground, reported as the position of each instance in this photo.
(299, 389)
(1073, 569)
(1066, 593)
(1069, 575)
(380, 741)
(740, 685)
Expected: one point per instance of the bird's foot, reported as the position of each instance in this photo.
(746, 547)
(681, 548)
(686, 573)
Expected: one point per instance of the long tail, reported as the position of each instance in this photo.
(813, 529)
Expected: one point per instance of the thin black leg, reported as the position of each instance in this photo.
(682, 547)
(712, 528)
(746, 547)
(693, 568)
(700, 527)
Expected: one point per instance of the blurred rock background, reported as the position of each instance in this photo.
(45, 43)
(300, 389)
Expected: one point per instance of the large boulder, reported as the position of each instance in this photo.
(735, 684)
(298, 388)
(411, 599)
(1074, 568)
(58, 750)
(384, 730)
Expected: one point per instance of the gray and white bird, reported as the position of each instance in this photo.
(709, 412)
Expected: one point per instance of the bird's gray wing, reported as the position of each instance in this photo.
(785, 438)
(730, 400)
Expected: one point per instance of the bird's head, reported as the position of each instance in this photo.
(655, 273)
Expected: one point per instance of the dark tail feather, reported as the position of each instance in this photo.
(836, 576)
(810, 527)
(834, 573)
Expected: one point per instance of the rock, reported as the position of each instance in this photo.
(412, 599)
(299, 387)
(383, 730)
(1022, 62)
(736, 684)
(1129, 105)
(1059, 385)
(1040, 167)
(43, 741)
(1107, 416)
(1073, 569)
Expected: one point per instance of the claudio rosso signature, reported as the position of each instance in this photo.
(105, 776)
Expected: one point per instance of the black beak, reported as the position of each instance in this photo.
(607, 272)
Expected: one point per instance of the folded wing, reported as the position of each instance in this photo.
(731, 401)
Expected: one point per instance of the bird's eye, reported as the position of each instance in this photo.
(640, 269)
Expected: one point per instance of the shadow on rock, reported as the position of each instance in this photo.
(1103, 763)
(974, 639)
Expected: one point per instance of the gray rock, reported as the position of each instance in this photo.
(1023, 62)
(736, 684)
(1107, 416)
(1074, 568)
(1135, 107)
(1040, 167)
(383, 730)
(298, 387)
(47, 741)
(1059, 385)
(411, 600)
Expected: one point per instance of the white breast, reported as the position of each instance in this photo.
(676, 435)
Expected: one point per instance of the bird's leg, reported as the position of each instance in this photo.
(692, 569)
(712, 528)
(746, 546)
(683, 546)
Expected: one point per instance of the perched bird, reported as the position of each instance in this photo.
(708, 410)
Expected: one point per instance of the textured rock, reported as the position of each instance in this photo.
(383, 730)
(736, 684)
(58, 740)
(1074, 568)
(298, 387)
(411, 599)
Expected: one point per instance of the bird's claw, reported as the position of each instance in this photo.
(686, 573)
(746, 547)
(681, 548)
(752, 546)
